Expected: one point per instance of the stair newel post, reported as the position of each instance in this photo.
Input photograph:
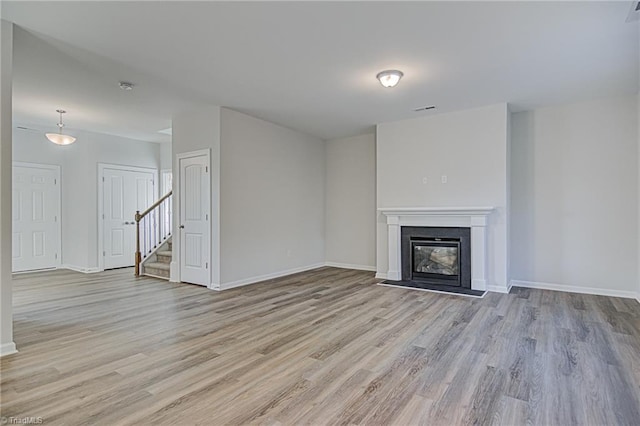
(138, 254)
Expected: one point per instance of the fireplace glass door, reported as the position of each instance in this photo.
(436, 259)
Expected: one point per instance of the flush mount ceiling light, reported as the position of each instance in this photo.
(389, 78)
(59, 138)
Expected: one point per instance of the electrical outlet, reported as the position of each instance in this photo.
(425, 180)
(443, 179)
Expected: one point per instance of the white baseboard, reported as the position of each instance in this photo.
(253, 280)
(350, 266)
(174, 273)
(81, 269)
(8, 349)
(576, 289)
(499, 289)
(381, 275)
(34, 270)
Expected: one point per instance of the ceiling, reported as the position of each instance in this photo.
(311, 66)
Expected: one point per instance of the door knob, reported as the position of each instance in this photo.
(181, 226)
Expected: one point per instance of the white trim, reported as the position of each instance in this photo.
(58, 170)
(474, 218)
(253, 280)
(175, 269)
(350, 266)
(101, 168)
(499, 288)
(436, 211)
(576, 289)
(8, 349)
(81, 269)
(433, 291)
(381, 275)
(161, 190)
(35, 271)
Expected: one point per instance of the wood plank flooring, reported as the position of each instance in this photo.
(322, 347)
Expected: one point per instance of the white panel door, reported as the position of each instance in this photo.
(194, 220)
(36, 206)
(124, 192)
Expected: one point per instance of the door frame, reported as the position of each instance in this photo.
(58, 170)
(100, 213)
(176, 265)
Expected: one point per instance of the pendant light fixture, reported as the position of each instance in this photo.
(59, 138)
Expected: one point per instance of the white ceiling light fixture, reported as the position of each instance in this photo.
(59, 138)
(389, 78)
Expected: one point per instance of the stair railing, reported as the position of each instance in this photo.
(153, 227)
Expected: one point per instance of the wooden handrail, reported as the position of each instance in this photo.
(139, 217)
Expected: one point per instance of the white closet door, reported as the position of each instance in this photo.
(195, 196)
(36, 207)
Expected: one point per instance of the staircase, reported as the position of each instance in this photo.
(159, 264)
(153, 239)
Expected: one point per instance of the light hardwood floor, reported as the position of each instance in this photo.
(323, 347)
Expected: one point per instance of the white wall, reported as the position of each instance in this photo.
(165, 156)
(79, 182)
(272, 199)
(193, 131)
(469, 147)
(575, 196)
(350, 218)
(6, 309)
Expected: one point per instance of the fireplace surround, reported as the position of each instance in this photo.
(436, 255)
(476, 219)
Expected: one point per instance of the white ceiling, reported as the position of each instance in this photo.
(311, 66)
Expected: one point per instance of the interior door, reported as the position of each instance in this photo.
(194, 200)
(36, 207)
(124, 193)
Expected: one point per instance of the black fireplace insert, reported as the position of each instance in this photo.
(439, 256)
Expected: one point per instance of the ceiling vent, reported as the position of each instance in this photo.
(28, 129)
(424, 108)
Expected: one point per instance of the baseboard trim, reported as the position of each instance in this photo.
(381, 275)
(351, 266)
(8, 349)
(34, 271)
(259, 278)
(81, 269)
(575, 289)
(499, 289)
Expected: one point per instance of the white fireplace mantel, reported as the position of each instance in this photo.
(474, 218)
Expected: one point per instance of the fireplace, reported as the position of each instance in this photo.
(471, 222)
(436, 259)
(439, 256)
